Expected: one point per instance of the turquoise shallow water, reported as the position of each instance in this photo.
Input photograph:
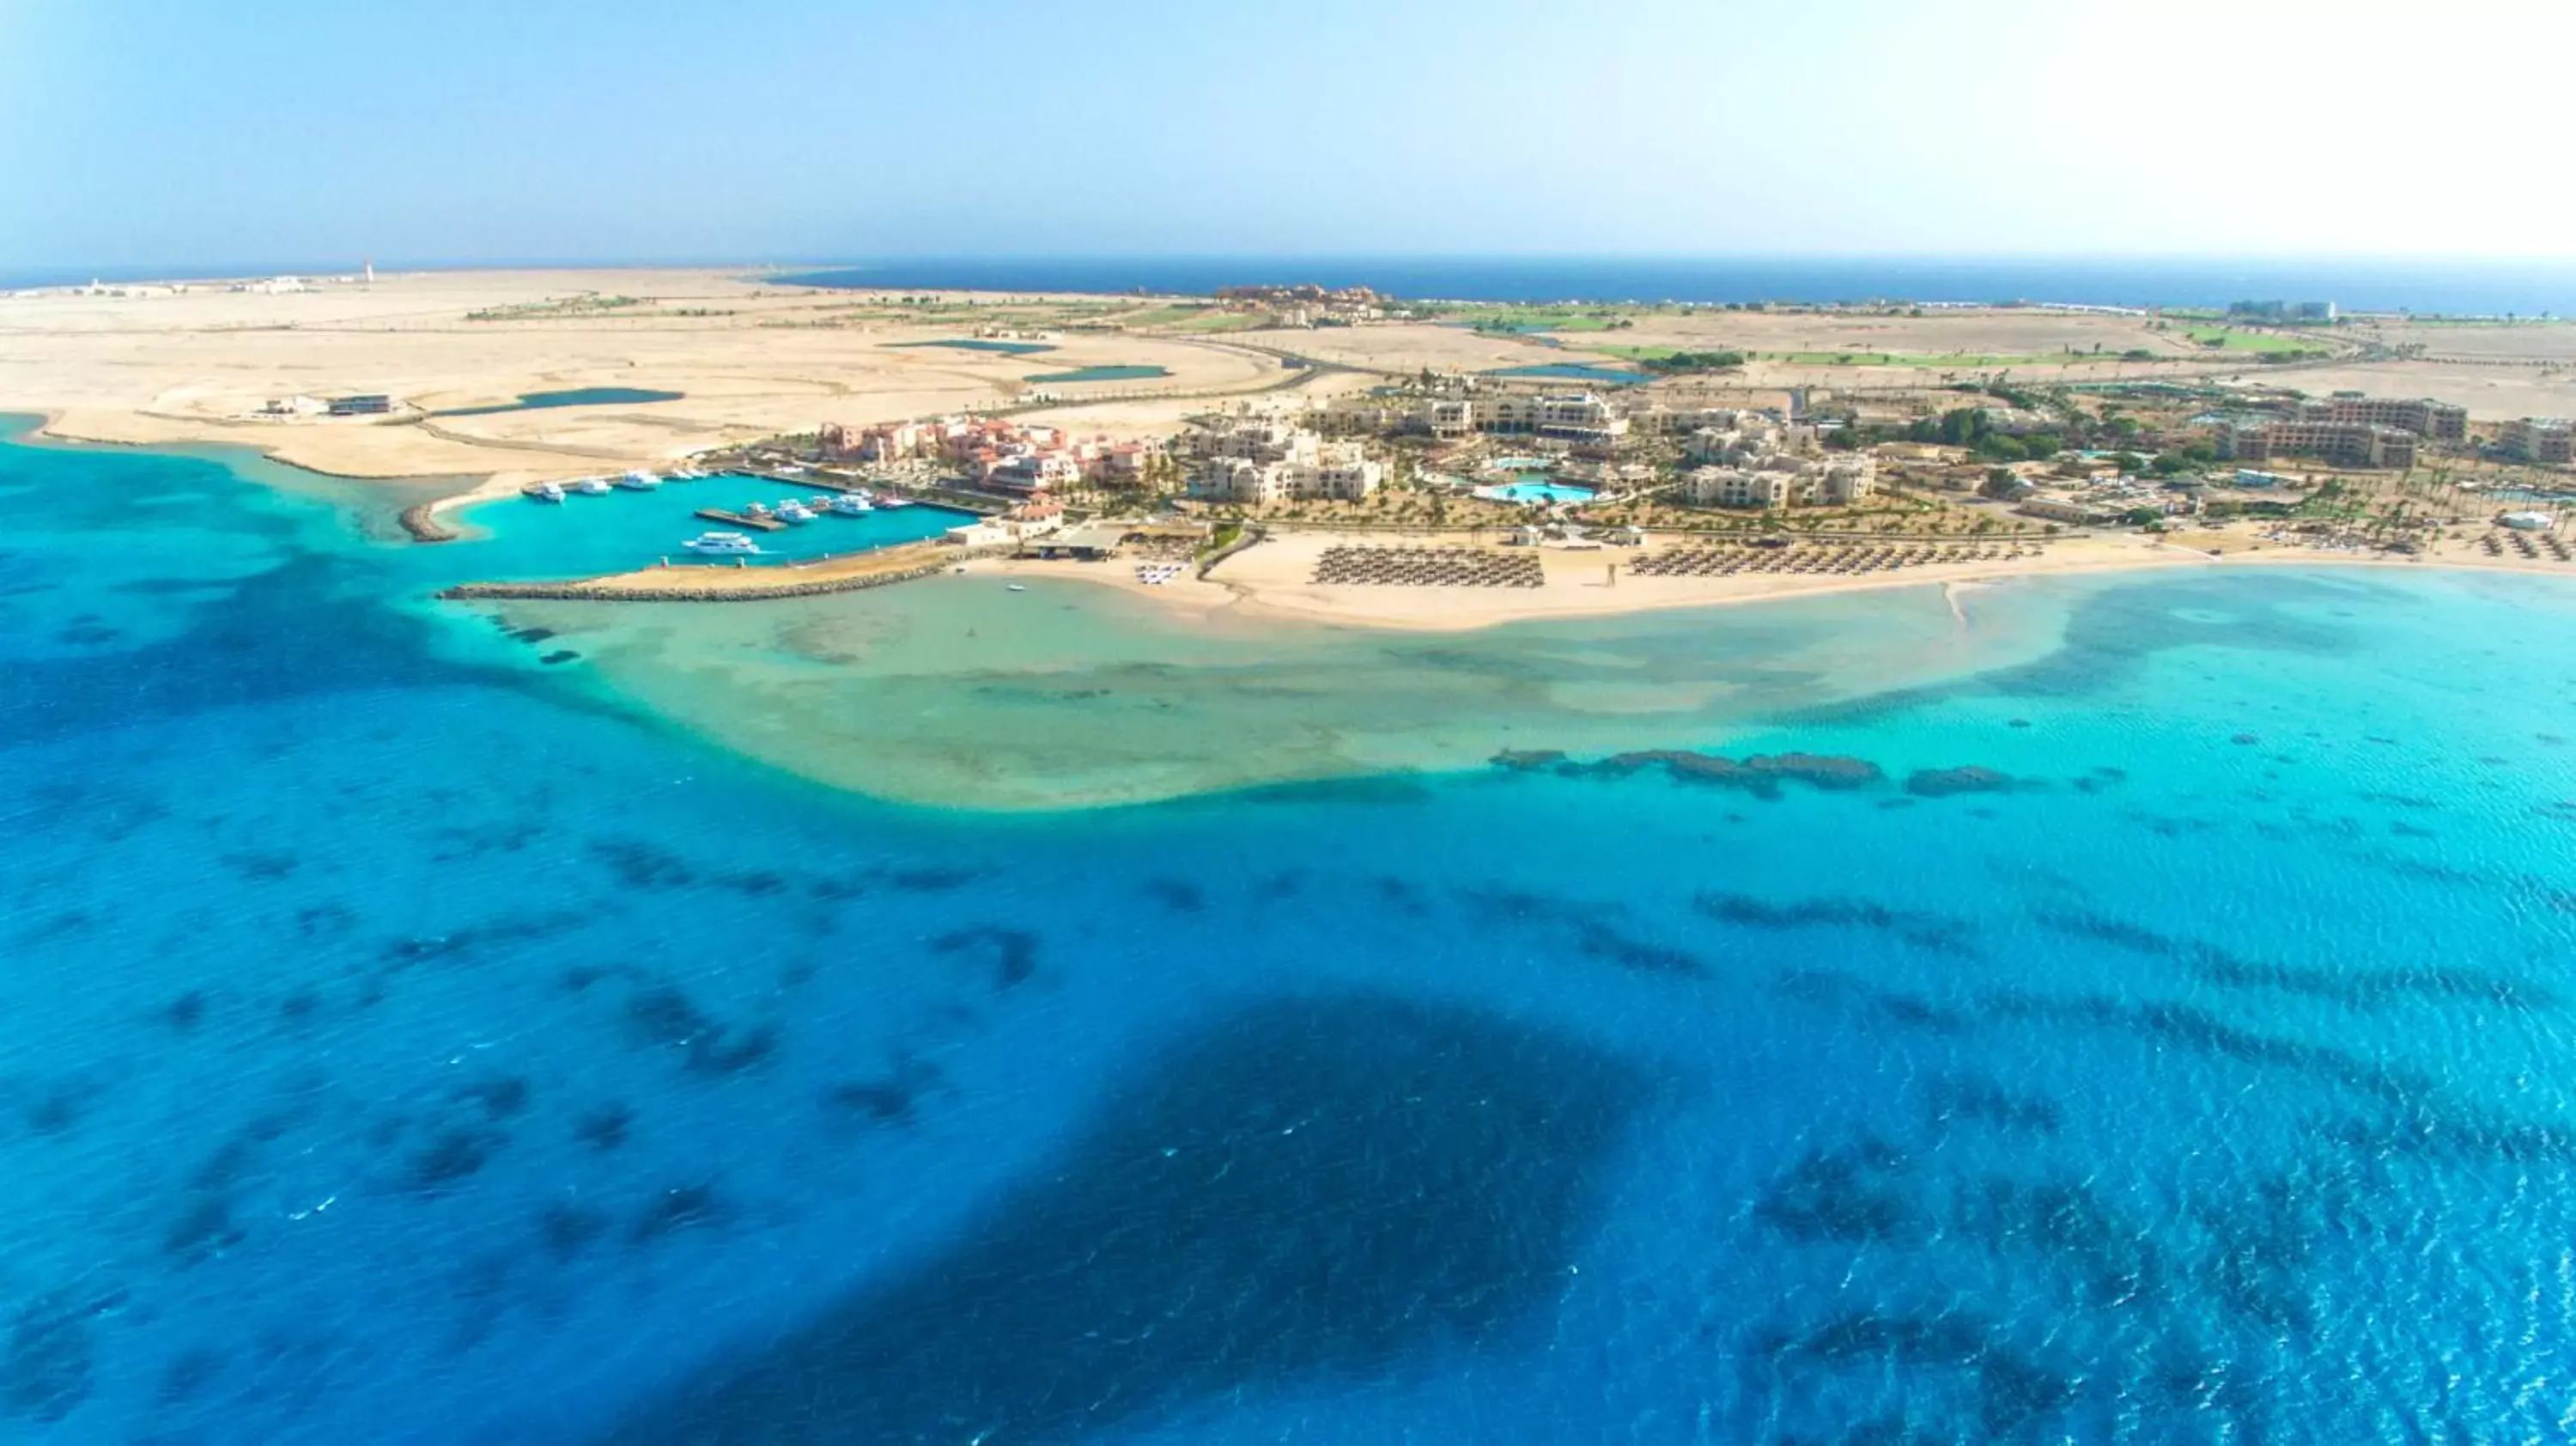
(406, 1042)
(1100, 374)
(1576, 372)
(513, 537)
(571, 397)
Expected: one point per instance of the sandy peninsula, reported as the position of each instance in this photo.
(698, 361)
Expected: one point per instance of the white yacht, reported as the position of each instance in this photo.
(732, 544)
(755, 509)
(639, 480)
(591, 486)
(893, 502)
(548, 492)
(851, 504)
(792, 510)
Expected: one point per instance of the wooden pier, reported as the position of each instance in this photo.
(756, 524)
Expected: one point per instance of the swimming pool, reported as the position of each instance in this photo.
(1529, 490)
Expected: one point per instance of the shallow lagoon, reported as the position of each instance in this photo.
(1577, 372)
(574, 397)
(406, 1042)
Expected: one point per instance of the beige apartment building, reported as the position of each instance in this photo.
(2550, 440)
(2346, 444)
(2422, 416)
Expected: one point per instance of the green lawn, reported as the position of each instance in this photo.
(2220, 338)
(1539, 318)
(1221, 321)
(1165, 316)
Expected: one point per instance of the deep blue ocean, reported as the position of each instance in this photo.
(401, 1043)
(2456, 287)
(2451, 287)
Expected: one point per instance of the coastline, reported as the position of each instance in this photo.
(1435, 610)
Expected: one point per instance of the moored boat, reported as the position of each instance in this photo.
(792, 510)
(733, 544)
(850, 504)
(639, 480)
(591, 486)
(547, 492)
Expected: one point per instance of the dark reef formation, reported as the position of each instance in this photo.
(1304, 1189)
(1759, 774)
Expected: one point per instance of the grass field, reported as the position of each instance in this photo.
(1209, 321)
(2220, 338)
(1538, 318)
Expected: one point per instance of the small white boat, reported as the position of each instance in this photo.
(549, 492)
(755, 509)
(792, 510)
(732, 544)
(688, 474)
(849, 504)
(591, 486)
(894, 502)
(1015, 587)
(639, 480)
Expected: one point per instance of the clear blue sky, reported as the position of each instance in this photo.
(136, 133)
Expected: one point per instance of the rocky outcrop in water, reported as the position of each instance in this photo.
(424, 526)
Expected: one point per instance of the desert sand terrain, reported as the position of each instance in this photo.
(750, 359)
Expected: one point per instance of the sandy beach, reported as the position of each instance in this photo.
(1275, 579)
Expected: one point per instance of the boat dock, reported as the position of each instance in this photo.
(736, 519)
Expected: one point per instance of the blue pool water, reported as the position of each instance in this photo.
(1607, 376)
(1527, 490)
(404, 1042)
(1102, 374)
(574, 397)
(1004, 348)
(514, 538)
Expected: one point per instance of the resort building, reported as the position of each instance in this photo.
(1736, 487)
(1449, 417)
(2346, 444)
(1254, 437)
(2065, 509)
(1337, 472)
(2550, 440)
(1780, 482)
(2422, 416)
(1578, 417)
(1027, 471)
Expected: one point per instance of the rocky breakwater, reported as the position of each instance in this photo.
(608, 590)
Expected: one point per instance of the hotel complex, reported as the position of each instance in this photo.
(2550, 440)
